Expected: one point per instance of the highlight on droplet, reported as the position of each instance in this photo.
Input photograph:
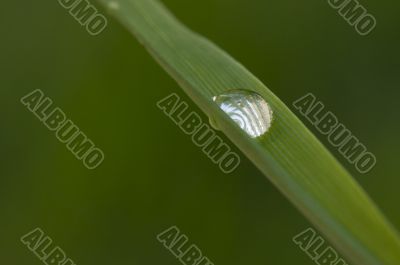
(113, 5)
(247, 109)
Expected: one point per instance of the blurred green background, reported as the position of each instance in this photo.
(153, 176)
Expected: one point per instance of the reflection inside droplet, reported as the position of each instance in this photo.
(247, 109)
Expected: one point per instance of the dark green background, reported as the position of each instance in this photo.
(153, 176)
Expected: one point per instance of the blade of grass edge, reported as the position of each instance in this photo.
(289, 155)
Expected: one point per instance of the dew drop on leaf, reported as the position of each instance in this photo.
(247, 109)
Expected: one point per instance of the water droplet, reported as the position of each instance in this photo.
(213, 123)
(247, 109)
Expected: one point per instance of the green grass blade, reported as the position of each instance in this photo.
(289, 155)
